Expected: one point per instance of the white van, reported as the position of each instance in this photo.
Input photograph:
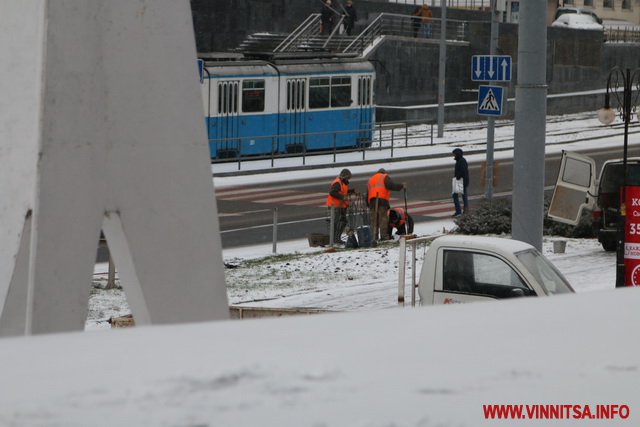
(578, 188)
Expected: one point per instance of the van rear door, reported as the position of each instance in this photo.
(575, 188)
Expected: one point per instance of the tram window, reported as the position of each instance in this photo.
(227, 97)
(252, 96)
(340, 91)
(319, 90)
(295, 95)
(364, 90)
(301, 93)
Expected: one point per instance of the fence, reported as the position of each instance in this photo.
(386, 136)
(457, 4)
(626, 34)
(415, 244)
(391, 24)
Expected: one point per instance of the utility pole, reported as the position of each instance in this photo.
(493, 47)
(530, 125)
(442, 66)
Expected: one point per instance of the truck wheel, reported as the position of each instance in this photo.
(609, 245)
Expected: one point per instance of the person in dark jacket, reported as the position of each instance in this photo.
(401, 221)
(461, 171)
(378, 198)
(326, 17)
(351, 18)
(338, 199)
(415, 20)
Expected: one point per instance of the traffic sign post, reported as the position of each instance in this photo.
(490, 100)
(491, 68)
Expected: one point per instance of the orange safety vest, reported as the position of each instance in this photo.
(376, 188)
(401, 213)
(344, 189)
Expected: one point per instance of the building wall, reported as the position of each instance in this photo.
(221, 25)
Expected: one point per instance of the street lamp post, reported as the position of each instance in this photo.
(621, 84)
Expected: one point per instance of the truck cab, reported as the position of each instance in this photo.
(460, 269)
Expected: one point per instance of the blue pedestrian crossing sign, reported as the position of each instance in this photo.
(490, 100)
(491, 68)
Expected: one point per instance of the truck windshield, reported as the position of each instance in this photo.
(551, 280)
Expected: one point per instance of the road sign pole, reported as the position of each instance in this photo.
(442, 66)
(493, 45)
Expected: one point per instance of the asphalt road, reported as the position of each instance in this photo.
(247, 213)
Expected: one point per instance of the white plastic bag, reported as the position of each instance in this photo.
(457, 186)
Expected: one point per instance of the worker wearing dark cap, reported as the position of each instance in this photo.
(378, 198)
(338, 198)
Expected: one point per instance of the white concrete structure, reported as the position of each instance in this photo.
(101, 127)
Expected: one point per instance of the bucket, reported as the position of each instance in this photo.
(559, 246)
(364, 236)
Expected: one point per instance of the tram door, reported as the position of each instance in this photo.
(293, 135)
(365, 111)
(226, 123)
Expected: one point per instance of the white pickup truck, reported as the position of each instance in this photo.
(459, 269)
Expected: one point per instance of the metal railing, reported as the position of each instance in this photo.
(626, 34)
(383, 136)
(366, 37)
(307, 36)
(391, 24)
(402, 264)
(300, 36)
(456, 4)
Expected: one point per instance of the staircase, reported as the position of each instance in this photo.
(308, 38)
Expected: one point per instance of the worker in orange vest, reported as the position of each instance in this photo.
(338, 198)
(378, 197)
(400, 220)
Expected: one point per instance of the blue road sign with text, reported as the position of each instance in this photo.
(490, 100)
(491, 68)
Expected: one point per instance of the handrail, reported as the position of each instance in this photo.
(393, 24)
(335, 30)
(375, 24)
(298, 32)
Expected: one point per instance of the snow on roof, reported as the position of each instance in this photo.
(497, 243)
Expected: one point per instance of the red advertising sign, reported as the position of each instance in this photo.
(632, 236)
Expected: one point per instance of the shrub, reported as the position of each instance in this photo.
(487, 218)
(495, 218)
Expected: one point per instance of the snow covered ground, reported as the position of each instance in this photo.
(347, 280)
(366, 279)
(424, 367)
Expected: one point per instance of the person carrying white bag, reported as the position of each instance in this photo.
(460, 182)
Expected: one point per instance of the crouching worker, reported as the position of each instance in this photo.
(338, 200)
(401, 221)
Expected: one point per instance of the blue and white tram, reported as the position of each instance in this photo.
(264, 107)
